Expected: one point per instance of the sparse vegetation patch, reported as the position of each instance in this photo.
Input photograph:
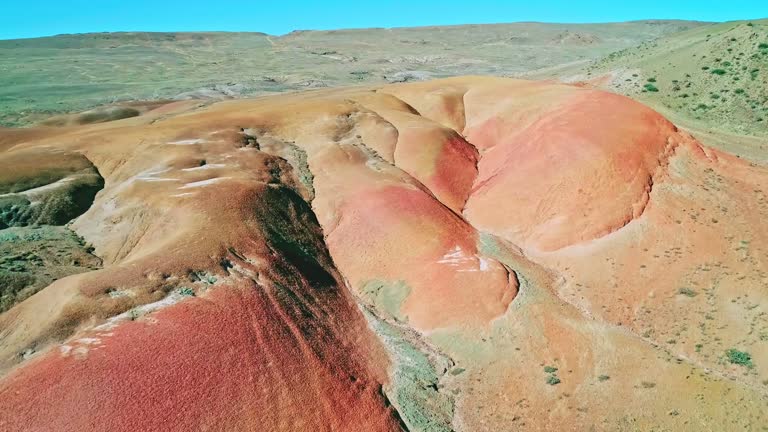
(187, 292)
(553, 380)
(650, 87)
(741, 358)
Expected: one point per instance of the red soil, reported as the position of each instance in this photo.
(236, 360)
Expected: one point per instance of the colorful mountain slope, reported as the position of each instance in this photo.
(473, 254)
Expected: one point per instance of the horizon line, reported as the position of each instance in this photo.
(375, 28)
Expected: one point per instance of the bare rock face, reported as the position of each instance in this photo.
(470, 254)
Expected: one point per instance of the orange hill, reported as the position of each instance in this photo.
(401, 257)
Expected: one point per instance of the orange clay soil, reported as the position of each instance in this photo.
(402, 257)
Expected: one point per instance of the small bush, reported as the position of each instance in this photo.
(718, 71)
(553, 380)
(763, 45)
(186, 291)
(687, 292)
(650, 87)
(602, 378)
(550, 369)
(652, 79)
(741, 358)
(739, 91)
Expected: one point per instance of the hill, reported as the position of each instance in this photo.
(467, 254)
(711, 77)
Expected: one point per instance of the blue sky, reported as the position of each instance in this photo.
(31, 18)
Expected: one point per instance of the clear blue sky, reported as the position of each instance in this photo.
(31, 18)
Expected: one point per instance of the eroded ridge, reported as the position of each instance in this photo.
(413, 257)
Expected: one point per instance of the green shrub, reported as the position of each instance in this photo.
(741, 358)
(763, 45)
(602, 378)
(718, 71)
(550, 369)
(739, 91)
(687, 292)
(553, 380)
(650, 87)
(652, 79)
(186, 291)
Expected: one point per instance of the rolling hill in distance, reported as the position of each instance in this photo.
(76, 72)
